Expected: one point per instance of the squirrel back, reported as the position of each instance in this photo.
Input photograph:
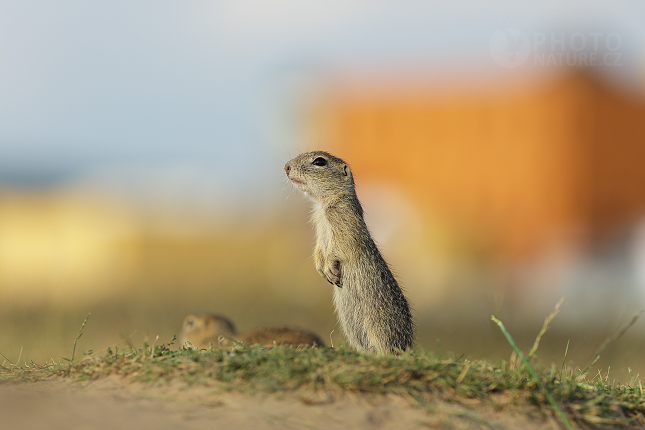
(281, 335)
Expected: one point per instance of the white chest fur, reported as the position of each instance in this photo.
(324, 234)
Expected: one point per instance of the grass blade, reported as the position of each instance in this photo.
(545, 327)
(564, 360)
(3, 356)
(78, 336)
(536, 378)
(621, 331)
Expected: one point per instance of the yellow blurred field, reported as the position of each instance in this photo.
(139, 281)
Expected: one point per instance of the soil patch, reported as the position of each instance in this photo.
(113, 403)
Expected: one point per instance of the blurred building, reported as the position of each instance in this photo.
(514, 171)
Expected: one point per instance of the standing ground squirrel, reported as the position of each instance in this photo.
(202, 330)
(370, 305)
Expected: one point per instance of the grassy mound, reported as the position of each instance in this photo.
(577, 398)
(589, 402)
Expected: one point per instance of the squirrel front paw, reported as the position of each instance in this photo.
(321, 272)
(332, 272)
(319, 262)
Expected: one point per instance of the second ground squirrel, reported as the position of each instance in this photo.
(202, 330)
(371, 307)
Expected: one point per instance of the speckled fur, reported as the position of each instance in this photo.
(281, 335)
(202, 330)
(371, 307)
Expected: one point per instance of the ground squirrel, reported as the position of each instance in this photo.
(202, 330)
(370, 305)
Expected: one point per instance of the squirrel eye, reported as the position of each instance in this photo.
(319, 162)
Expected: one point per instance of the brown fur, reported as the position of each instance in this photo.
(204, 330)
(371, 307)
(281, 335)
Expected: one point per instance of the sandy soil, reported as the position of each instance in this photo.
(114, 404)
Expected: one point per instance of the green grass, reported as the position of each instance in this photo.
(576, 397)
(590, 401)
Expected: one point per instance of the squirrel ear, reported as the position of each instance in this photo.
(345, 170)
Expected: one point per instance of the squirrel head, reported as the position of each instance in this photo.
(321, 176)
(198, 327)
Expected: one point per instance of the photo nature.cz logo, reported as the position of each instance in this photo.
(511, 48)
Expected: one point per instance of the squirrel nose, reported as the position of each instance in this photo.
(287, 168)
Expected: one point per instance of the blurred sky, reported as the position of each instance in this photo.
(190, 94)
